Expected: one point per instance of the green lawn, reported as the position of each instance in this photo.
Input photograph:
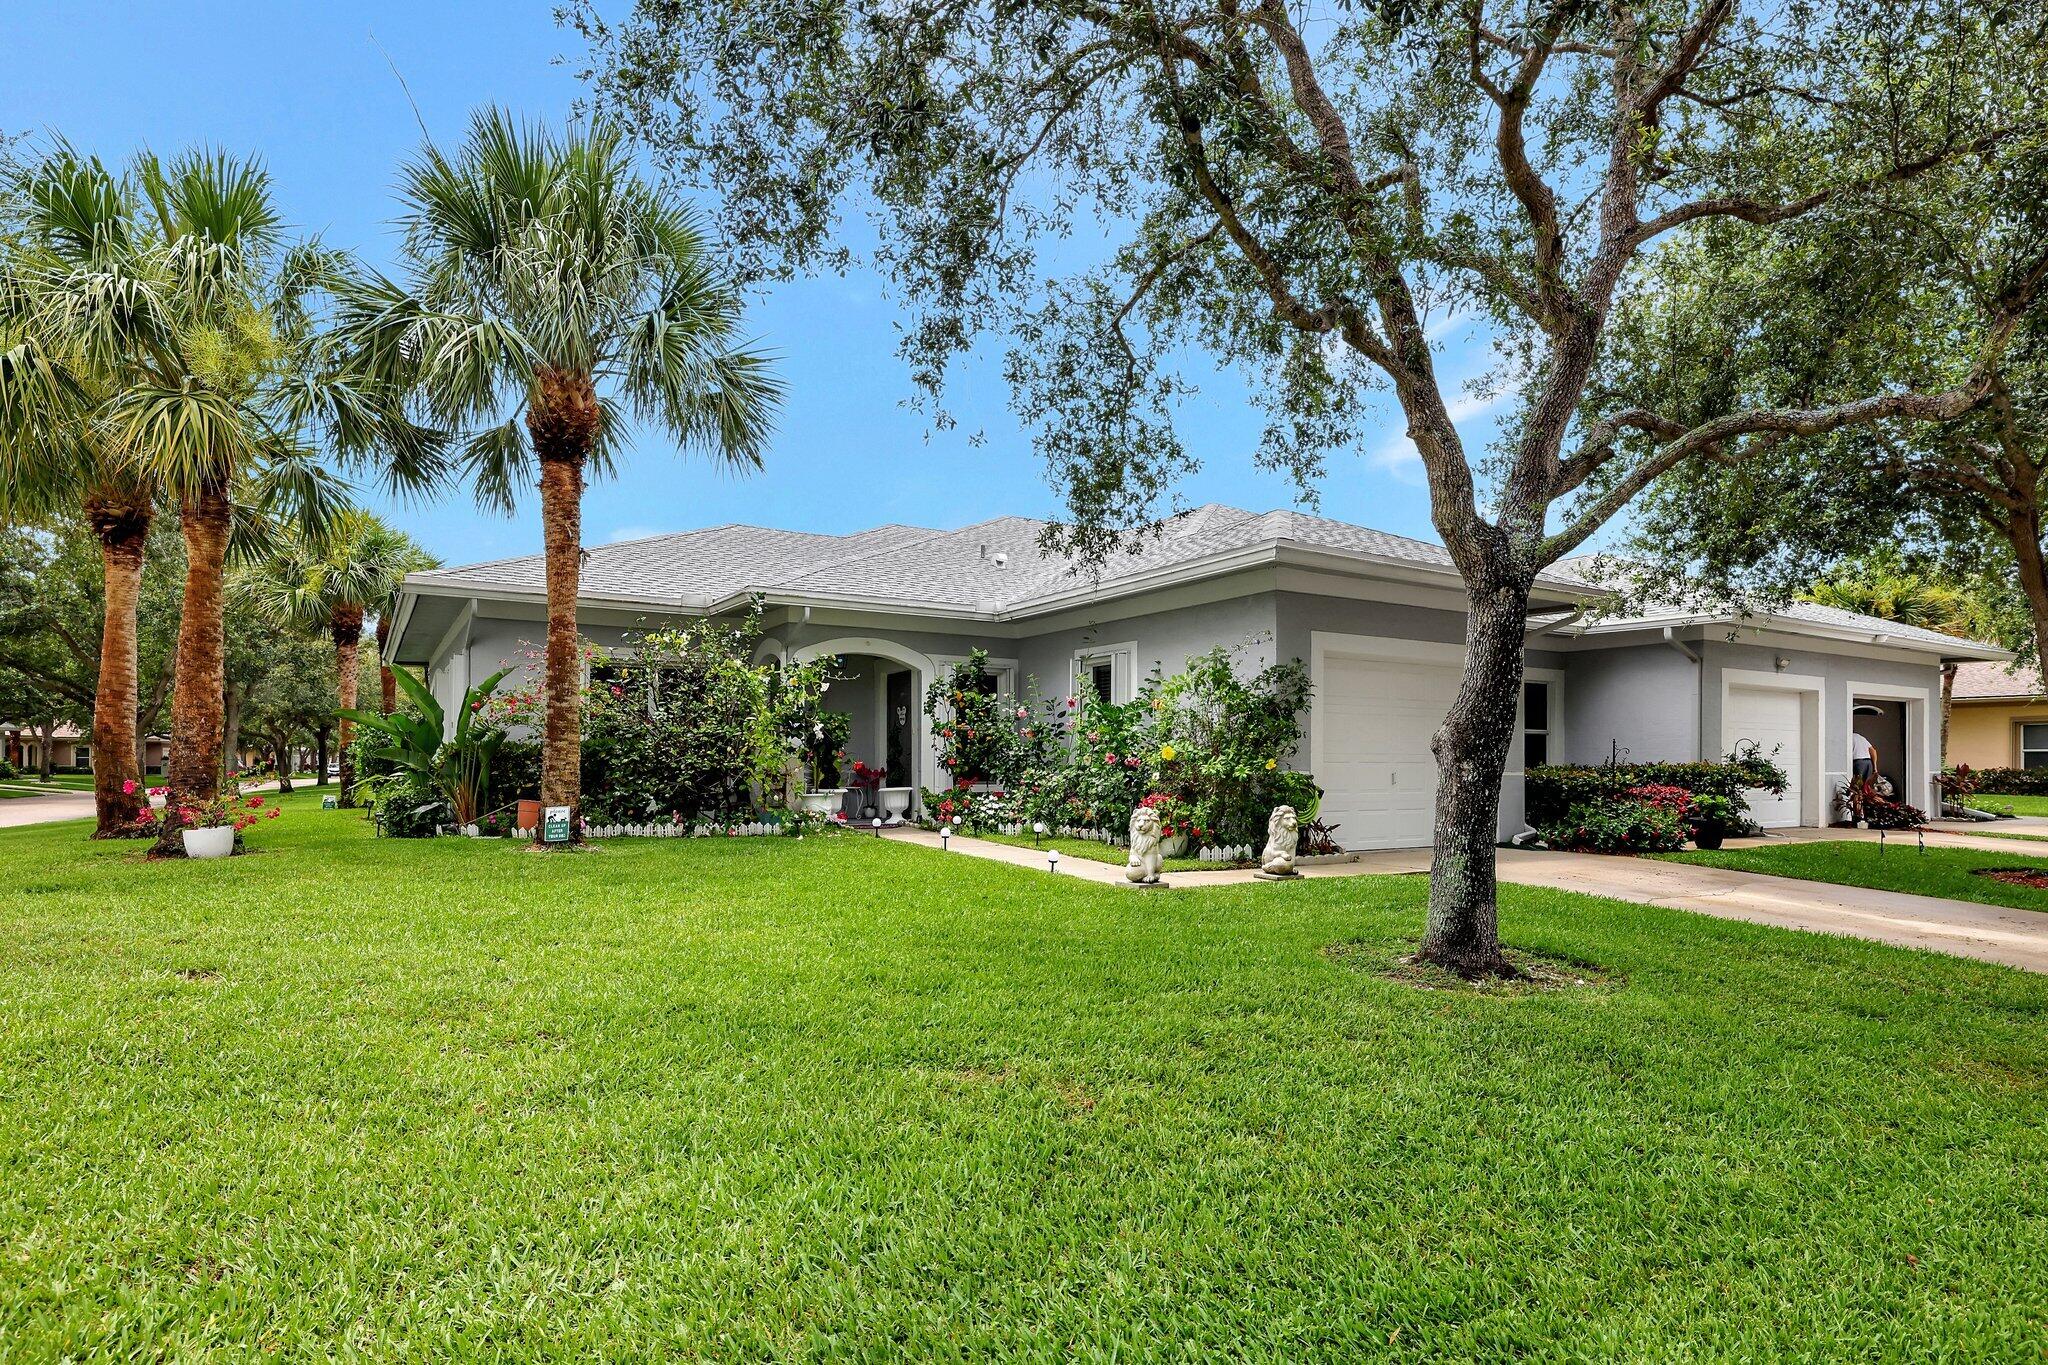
(70, 782)
(2018, 805)
(1937, 872)
(848, 1099)
(1098, 852)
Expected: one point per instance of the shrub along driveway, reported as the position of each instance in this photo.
(847, 1098)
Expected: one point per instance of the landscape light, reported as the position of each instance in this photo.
(1037, 831)
(1052, 859)
(945, 838)
(878, 826)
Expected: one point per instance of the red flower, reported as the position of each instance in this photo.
(274, 813)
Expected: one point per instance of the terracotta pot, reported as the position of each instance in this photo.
(528, 816)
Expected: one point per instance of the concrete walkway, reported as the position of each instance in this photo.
(45, 808)
(1989, 933)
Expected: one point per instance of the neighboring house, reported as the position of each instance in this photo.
(22, 745)
(1379, 619)
(2000, 717)
(70, 749)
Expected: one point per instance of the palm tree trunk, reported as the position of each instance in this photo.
(345, 627)
(122, 528)
(196, 720)
(563, 420)
(1948, 706)
(387, 686)
(1471, 750)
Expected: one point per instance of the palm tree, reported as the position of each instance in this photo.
(548, 286)
(1885, 588)
(330, 582)
(73, 249)
(209, 380)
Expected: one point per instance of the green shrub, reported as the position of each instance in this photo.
(2012, 781)
(1553, 791)
(1618, 824)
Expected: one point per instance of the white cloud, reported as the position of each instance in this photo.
(1399, 457)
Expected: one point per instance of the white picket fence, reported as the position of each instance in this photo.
(1207, 853)
(666, 830)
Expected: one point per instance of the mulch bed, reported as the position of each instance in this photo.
(2016, 876)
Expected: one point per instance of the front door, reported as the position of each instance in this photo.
(897, 717)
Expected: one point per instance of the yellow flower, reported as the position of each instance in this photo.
(1166, 753)
(1271, 764)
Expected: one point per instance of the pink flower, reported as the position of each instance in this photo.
(128, 787)
(1110, 759)
(1070, 703)
(1023, 713)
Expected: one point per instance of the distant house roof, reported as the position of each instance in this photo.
(1996, 681)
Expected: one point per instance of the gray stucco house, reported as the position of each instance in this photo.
(1379, 620)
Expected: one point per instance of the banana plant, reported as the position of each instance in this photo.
(458, 766)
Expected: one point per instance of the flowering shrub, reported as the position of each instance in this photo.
(1554, 790)
(1626, 824)
(1674, 799)
(226, 808)
(1957, 782)
(1213, 744)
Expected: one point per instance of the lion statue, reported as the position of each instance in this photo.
(1283, 836)
(1143, 867)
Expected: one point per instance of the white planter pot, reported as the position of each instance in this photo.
(158, 802)
(218, 841)
(1173, 847)
(824, 801)
(895, 803)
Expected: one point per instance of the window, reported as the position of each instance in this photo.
(2034, 746)
(1105, 672)
(1535, 724)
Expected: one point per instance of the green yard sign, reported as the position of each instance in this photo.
(554, 825)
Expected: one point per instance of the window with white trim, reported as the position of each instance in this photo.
(1104, 673)
(1535, 724)
(2034, 746)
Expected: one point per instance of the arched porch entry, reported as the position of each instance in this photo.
(884, 698)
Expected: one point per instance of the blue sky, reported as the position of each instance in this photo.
(310, 87)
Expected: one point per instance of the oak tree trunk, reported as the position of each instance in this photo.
(2023, 532)
(121, 524)
(320, 757)
(47, 734)
(563, 419)
(1471, 749)
(387, 686)
(345, 627)
(197, 695)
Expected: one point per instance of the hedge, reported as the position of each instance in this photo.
(1551, 792)
(2012, 781)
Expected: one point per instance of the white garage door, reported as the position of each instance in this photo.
(1772, 718)
(1378, 775)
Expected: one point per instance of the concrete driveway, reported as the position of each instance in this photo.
(1990, 933)
(43, 807)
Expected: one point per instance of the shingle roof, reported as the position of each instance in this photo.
(1597, 571)
(992, 565)
(1984, 681)
(996, 566)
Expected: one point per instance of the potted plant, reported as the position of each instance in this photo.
(1713, 818)
(868, 782)
(210, 827)
(1175, 823)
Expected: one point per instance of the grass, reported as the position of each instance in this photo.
(1945, 872)
(2018, 805)
(59, 782)
(847, 1099)
(1100, 852)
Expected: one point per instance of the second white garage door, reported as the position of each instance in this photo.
(1773, 718)
(1376, 718)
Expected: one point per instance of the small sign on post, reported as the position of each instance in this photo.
(554, 824)
(329, 803)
